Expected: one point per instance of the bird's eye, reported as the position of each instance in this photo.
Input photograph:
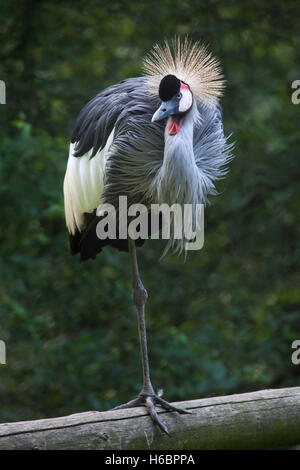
(179, 95)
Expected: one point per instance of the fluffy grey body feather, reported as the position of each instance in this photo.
(144, 162)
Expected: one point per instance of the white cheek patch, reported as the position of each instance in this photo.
(186, 100)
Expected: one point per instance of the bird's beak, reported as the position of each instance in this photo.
(166, 109)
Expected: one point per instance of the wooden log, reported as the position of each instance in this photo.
(258, 420)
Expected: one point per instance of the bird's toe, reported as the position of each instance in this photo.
(167, 406)
(150, 402)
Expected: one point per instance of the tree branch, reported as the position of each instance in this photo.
(257, 420)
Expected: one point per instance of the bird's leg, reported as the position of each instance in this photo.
(139, 296)
(147, 397)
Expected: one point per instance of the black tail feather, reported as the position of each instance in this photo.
(89, 245)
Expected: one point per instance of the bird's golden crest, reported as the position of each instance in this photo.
(190, 62)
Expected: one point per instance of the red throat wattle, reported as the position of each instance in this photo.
(173, 127)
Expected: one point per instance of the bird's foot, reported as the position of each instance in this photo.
(150, 401)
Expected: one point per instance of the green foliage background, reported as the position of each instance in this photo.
(223, 322)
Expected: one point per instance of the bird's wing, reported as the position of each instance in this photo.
(83, 184)
(211, 150)
(98, 118)
(90, 143)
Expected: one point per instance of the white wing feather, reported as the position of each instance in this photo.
(83, 184)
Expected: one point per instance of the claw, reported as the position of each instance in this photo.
(149, 401)
(170, 407)
(154, 415)
(131, 404)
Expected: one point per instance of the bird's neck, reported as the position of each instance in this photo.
(177, 178)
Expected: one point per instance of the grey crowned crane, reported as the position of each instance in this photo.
(156, 139)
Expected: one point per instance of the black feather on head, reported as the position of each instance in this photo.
(168, 87)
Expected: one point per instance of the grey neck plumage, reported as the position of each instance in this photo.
(179, 180)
